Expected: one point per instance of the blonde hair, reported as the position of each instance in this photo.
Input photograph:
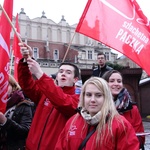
(13, 83)
(108, 110)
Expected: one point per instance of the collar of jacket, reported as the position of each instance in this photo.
(69, 89)
(102, 67)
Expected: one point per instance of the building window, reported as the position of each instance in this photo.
(35, 53)
(39, 32)
(68, 36)
(89, 54)
(49, 34)
(45, 64)
(28, 32)
(77, 37)
(107, 55)
(56, 55)
(59, 35)
(85, 39)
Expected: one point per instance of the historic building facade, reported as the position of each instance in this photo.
(53, 43)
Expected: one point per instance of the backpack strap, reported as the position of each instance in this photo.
(87, 138)
(89, 135)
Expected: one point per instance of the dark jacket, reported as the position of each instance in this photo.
(98, 72)
(17, 128)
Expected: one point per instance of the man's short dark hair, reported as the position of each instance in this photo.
(76, 69)
(101, 53)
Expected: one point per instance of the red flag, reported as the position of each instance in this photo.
(119, 24)
(16, 49)
(5, 29)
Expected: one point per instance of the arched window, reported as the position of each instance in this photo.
(68, 36)
(59, 35)
(49, 34)
(28, 33)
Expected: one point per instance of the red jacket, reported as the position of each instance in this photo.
(124, 137)
(134, 117)
(55, 106)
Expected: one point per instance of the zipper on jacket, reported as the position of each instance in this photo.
(44, 128)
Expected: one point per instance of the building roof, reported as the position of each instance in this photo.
(145, 80)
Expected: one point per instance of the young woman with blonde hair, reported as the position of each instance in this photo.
(98, 125)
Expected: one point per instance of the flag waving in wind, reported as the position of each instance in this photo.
(121, 25)
(5, 29)
(16, 49)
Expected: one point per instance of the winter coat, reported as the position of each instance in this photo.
(134, 117)
(71, 137)
(99, 72)
(55, 106)
(17, 127)
(130, 111)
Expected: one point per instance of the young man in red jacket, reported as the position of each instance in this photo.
(55, 103)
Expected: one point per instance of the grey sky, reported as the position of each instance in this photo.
(54, 9)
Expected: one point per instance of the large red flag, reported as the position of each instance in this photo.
(5, 30)
(16, 49)
(119, 24)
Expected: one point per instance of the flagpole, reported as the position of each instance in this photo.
(11, 62)
(68, 48)
(11, 23)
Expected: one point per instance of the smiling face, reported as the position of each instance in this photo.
(115, 83)
(65, 76)
(93, 99)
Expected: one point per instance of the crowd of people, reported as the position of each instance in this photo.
(69, 114)
(98, 120)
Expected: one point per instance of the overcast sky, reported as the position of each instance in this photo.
(54, 9)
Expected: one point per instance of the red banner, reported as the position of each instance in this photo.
(16, 49)
(121, 25)
(5, 30)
